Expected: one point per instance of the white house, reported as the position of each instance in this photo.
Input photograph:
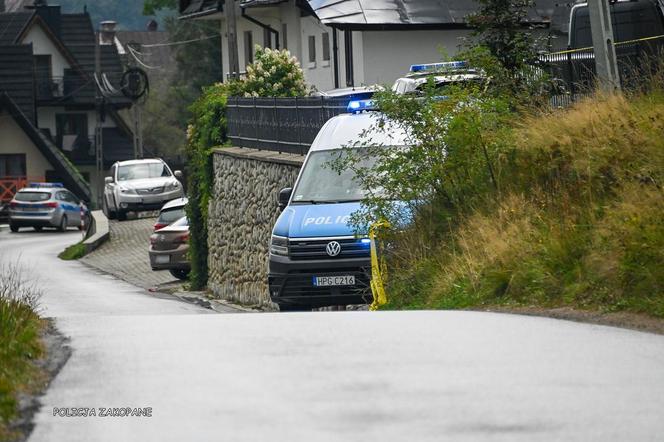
(344, 43)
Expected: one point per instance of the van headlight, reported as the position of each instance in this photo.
(127, 190)
(279, 246)
(173, 185)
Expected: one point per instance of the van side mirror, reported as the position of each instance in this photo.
(284, 197)
(108, 180)
(178, 174)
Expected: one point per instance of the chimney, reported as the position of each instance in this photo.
(107, 32)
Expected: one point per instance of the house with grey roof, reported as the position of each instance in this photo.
(344, 43)
(52, 115)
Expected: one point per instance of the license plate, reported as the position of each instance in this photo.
(148, 214)
(329, 281)
(162, 259)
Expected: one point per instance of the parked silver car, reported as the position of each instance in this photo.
(139, 185)
(46, 205)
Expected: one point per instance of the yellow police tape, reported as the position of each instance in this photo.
(571, 51)
(378, 269)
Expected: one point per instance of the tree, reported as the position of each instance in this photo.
(500, 26)
(151, 7)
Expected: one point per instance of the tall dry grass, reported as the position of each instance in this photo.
(578, 220)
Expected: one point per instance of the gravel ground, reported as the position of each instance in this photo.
(125, 255)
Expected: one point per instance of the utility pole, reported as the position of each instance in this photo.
(231, 24)
(99, 139)
(605, 52)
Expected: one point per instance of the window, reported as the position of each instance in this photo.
(312, 49)
(72, 131)
(284, 35)
(12, 165)
(32, 197)
(267, 38)
(248, 47)
(326, 46)
(43, 67)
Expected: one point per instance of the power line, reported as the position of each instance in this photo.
(176, 43)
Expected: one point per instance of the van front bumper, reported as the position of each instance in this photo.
(291, 282)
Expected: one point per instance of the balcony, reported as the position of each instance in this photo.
(67, 88)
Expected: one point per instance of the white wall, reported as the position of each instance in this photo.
(389, 54)
(15, 141)
(42, 45)
(319, 73)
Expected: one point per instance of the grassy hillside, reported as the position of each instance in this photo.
(578, 220)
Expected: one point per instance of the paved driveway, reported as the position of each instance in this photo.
(126, 254)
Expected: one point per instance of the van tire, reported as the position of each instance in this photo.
(38, 228)
(122, 215)
(14, 228)
(180, 274)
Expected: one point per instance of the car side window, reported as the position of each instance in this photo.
(61, 196)
(72, 198)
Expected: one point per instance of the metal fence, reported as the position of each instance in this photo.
(573, 72)
(280, 124)
(291, 124)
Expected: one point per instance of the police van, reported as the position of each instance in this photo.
(316, 257)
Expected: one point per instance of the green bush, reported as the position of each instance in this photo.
(208, 129)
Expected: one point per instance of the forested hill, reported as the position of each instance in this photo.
(128, 13)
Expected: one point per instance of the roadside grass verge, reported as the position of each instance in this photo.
(20, 344)
(73, 252)
(577, 221)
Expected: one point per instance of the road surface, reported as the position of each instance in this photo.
(335, 376)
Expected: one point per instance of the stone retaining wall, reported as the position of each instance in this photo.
(242, 212)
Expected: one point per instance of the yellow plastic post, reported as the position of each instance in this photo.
(378, 269)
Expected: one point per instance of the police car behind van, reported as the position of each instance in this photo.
(316, 259)
(442, 74)
(42, 205)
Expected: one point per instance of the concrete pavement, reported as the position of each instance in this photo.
(335, 376)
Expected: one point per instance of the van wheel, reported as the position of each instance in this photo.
(38, 228)
(122, 215)
(63, 224)
(13, 227)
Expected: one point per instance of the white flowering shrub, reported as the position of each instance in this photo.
(274, 73)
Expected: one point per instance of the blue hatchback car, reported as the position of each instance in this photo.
(46, 205)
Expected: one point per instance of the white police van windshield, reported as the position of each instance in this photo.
(144, 170)
(320, 183)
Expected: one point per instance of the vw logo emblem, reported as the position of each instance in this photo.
(333, 248)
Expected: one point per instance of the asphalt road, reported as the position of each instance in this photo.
(335, 376)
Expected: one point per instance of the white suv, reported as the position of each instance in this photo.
(139, 185)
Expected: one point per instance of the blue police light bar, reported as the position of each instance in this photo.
(47, 185)
(432, 67)
(357, 106)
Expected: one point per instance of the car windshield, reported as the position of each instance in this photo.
(142, 170)
(320, 183)
(171, 215)
(32, 196)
